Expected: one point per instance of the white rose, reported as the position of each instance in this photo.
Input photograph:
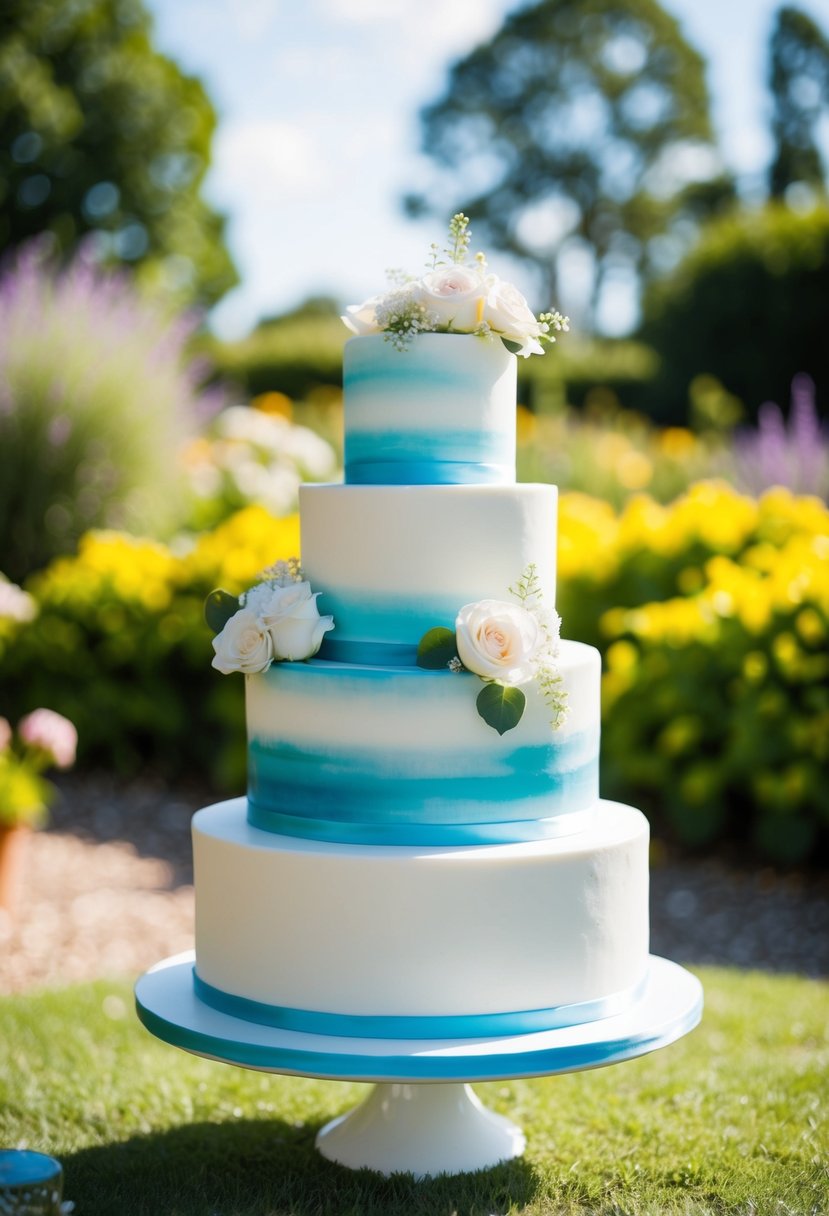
(294, 623)
(508, 314)
(362, 318)
(454, 295)
(243, 645)
(498, 641)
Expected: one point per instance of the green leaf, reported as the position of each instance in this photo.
(437, 648)
(512, 347)
(219, 607)
(501, 707)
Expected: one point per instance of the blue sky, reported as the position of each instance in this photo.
(318, 132)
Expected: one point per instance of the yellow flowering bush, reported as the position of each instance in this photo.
(120, 646)
(713, 613)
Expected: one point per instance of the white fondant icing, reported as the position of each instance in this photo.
(399, 710)
(391, 561)
(441, 411)
(391, 931)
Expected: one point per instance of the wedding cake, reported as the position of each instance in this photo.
(422, 852)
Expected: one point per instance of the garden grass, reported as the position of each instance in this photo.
(730, 1120)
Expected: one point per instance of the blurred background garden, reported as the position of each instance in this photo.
(151, 446)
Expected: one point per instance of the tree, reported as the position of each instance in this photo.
(747, 305)
(578, 126)
(799, 83)
(104, 140)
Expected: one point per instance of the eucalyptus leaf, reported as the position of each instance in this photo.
(501, 707)
(512, 347)
(219, 607)
(437, 648)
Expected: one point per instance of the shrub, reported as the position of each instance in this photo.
(747, 305)
(252, 455)
(610, 453)
(121, 647)
(95, 400)
(716, 695)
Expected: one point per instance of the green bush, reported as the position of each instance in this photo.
(295, 355)
(94, 405)
(747, 306)
(119, 645)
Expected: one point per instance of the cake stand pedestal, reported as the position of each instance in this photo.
(421, 1118)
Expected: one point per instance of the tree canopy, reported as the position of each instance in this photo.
(799, 83)
(104, 140)
(581, 124)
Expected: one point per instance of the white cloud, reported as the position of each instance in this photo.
(255, 18)
(430, 30)
(267, 160)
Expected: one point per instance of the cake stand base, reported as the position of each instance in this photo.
(404, 1126)
(424, 1130)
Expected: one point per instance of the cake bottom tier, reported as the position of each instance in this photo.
(405, 942)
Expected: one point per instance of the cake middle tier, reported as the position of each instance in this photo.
(398, 755)
(394, 561)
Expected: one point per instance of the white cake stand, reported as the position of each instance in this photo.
(421, 1118)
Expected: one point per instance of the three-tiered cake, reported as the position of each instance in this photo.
(400, 869)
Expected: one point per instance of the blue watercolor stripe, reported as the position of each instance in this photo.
(396, 619)
(415, 787)
(426, 473)
(419, 835)
(368, 654)
(373, 374)
(451, 1026)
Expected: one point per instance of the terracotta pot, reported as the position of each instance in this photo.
(14, 842)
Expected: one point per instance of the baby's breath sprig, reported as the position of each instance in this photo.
(401, 317)
(283, 573)
(553, 321)
(527, 586)
(552, 688)
(460, 237)
(398, 277)
(528, 591)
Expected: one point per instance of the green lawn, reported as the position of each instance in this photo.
(731, 1119)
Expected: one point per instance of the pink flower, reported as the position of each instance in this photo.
(52, 733)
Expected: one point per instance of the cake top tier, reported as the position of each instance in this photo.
(440, 412)
(430, 380)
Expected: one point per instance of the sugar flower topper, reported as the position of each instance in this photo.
(457, 295)
(506, 645)
(275, 621)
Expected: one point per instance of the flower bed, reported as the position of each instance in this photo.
(712, 614)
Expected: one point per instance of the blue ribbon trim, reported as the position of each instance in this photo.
(233, 1044)
(421, 835)
(425, 472)
(370, 1026)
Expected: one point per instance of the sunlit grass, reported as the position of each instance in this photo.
(731, 1119)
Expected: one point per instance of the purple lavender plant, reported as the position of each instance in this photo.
(794, 455)
(97, 397)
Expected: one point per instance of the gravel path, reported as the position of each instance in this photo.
(109, 892)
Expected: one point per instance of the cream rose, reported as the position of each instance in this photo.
(498, 641)
(361, 319)
(243, 645)
(293, 622)
(454, 296)
(508, 314)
